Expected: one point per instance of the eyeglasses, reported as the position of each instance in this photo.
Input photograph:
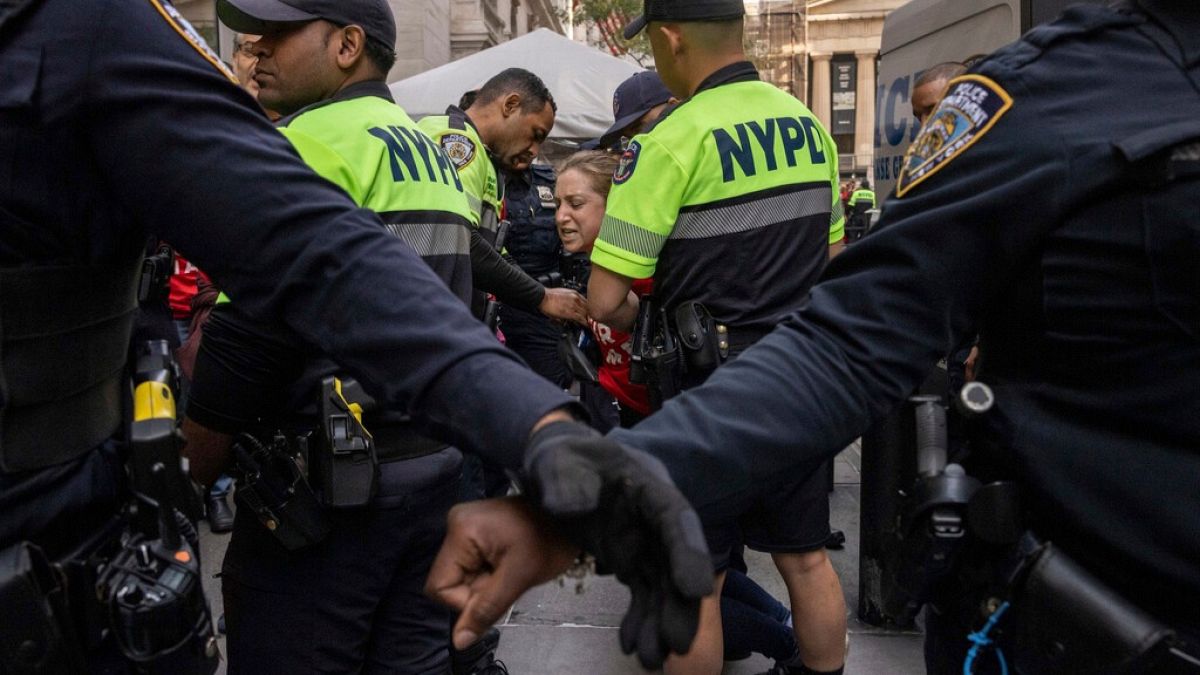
(247, 48)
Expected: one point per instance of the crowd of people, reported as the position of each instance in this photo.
(492, 139)
(662, 339)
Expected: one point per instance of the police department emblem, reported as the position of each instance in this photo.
(628, 163)
(973, 104)
(545, 196)
(460, 149)
(193, 38)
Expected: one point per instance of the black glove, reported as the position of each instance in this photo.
(621, 506)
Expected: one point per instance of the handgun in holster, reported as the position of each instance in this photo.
(272, 486)
(344, 470)
(655, 358)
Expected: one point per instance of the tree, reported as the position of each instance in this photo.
(610, 17)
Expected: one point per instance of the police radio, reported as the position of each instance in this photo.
(151, 587)
(272, 486)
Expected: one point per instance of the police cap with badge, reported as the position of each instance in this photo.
(252, 16)
(634, 98)
(686, 11)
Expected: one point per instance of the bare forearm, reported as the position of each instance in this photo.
(208, 452)
(611, 299)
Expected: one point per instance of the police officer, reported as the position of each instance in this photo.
(340, 117)
(930, 86)
(730, 201)
(861, 201)
(1075, 243)
(508, 119)
(117, 121)
(533, 245)
(638, 102)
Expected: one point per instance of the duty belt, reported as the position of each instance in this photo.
(64, 338)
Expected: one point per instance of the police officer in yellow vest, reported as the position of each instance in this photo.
(730, 202)
(360, 600)
(505, 124)
(117, 122)
(861, 201)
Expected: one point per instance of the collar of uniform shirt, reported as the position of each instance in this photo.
(453, 110)
(357, 90)
(1181, 19)
(742, 71)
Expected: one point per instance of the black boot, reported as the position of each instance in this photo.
(220, 516)
(836, 540)
(479, 658)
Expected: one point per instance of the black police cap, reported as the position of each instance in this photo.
(684, 11)
(251, 16)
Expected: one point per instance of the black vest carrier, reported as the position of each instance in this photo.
(64, 339)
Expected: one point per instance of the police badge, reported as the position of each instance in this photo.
(628, 163)
(972, 105)
(460, 149)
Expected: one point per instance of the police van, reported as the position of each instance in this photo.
(924, 33)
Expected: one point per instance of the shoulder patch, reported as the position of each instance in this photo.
(628, 163)
(972, 105)
(460, 148)
(193, 38)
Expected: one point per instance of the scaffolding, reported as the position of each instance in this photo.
(776, 40)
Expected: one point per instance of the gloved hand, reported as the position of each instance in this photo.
(621, 506)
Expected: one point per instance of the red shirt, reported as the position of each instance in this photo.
(182, 287)
(615, 354)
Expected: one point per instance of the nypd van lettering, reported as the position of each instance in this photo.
(779, 139)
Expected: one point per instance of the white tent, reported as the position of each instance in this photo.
(581, 79)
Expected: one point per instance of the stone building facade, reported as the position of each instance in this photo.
(825, 53)
(429, 33)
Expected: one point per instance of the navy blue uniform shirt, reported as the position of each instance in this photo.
(529, 204)
(113, 126)
(1069, 229)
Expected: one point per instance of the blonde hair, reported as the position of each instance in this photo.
(596, 165)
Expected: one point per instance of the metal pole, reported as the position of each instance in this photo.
(888, 466)
(807, 49)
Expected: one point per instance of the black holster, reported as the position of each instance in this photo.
(36, 633)
(272, 486)
(1068, 621)
(656, 360)
(344, 470)
(699, 338)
